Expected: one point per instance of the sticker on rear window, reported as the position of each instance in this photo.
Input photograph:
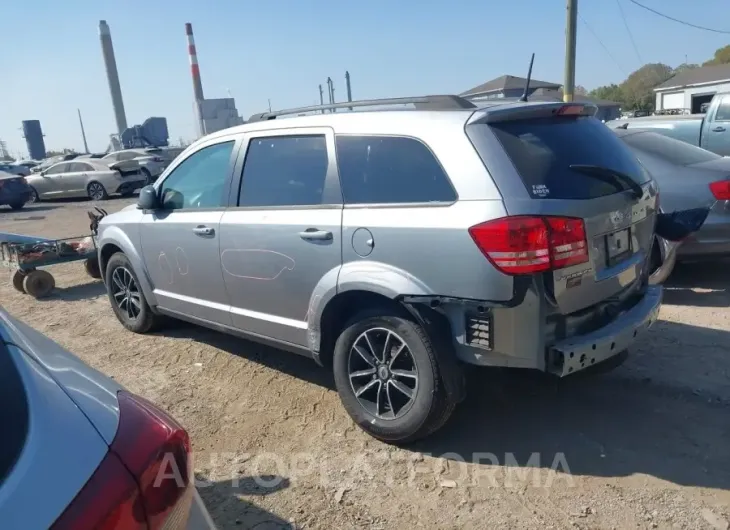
(541, 190)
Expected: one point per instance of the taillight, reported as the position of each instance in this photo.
(144, 481)
(721, 190)
(157, 159)
(526, 244)
(570, 110)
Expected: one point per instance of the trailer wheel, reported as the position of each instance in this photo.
(39, 283)
(92, 268)
(18, 277)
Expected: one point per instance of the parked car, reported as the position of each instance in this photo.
(14, 169)
(688, 177)
(397, 246)
(14, 191)
(150, 162)
(91, 178)
(80, 451)
(91, 155)
(48, 162)
(710, 130)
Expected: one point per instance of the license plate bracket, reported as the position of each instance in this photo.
(618, 246)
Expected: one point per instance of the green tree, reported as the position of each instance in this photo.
(684, 67)
(580, 90)
(722, 56)
(609, 92)
(638, 89)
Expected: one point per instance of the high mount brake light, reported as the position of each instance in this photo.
(145, 480)
(570, 110)
(721, 190)
(530, 244)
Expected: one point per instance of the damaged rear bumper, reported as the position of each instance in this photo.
(577, 353)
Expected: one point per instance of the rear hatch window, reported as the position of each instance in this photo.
(544, 149)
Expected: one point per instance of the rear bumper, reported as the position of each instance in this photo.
(577, 353)
(12, 197)
(712, 240)
(199, 518)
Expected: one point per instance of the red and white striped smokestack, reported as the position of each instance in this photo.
(194, 68)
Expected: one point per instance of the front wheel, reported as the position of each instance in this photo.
(388, 377)
(126, 296)
(33, 196)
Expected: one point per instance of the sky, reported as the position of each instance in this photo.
(256, 50)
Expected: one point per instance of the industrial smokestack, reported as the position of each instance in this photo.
(349, 89)
(321, 97)
(112, 76)
(195, 72)
(194, 68)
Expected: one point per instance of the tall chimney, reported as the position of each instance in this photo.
(112, 76)
(194, 68)
(197, 83)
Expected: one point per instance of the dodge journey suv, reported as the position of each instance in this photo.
(396, 246)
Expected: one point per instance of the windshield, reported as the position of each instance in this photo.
(673, 151)
(544, 149)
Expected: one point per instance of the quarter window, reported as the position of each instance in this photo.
(200, 180)
(723, 110)
(390, 169)
(284, 171)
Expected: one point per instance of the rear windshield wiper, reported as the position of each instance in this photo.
(611, 176)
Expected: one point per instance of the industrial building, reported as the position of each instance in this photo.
(689, 89)
(33, 135)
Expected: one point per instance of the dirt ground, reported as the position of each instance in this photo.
(647, 446)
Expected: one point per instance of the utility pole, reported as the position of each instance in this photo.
(269, 105)
(571, 28)
(321, 97)
(331, 90)
(83, 134)
(349, 88)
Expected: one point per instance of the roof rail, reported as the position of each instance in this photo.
(440, 102)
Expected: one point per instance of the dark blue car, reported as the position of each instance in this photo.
(14, 190)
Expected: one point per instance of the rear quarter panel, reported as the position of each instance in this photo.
(62, 451)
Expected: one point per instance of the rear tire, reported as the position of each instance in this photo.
(147, 176)
(96, 191)
(91, 265)
(17, 205)
(126, 296)
(376, 393)
(18, 277)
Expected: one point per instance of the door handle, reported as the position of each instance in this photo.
(312, 234)
(203, 231)
(718, 129)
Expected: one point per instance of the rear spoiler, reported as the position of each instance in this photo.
(530, 110)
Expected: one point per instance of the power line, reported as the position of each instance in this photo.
(679, 21)
(601, 43)
(628, 30)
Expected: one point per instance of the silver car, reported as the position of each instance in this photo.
(396, 246)
(79, 451)
(688, 177)
(88, 177)
(150, 162)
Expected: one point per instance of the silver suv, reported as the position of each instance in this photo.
(396, 246)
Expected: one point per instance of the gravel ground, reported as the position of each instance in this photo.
(646, 446)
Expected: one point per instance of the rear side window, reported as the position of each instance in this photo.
(723, 110)
(543, 149)
(390, 169)
(284, 171)
(673, 151)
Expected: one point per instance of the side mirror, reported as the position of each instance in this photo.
(148, 199)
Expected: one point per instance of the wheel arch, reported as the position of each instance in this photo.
(115, 240)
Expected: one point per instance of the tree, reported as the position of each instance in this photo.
(684, 67)
(638, 89)
(580, 90)
(722, 56)
(608, 92)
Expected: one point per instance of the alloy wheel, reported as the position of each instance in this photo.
(126, 293)
(383, 373)
(96, 191)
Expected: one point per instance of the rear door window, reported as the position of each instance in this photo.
(543, 149)
(673, 151)
(390, 169)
